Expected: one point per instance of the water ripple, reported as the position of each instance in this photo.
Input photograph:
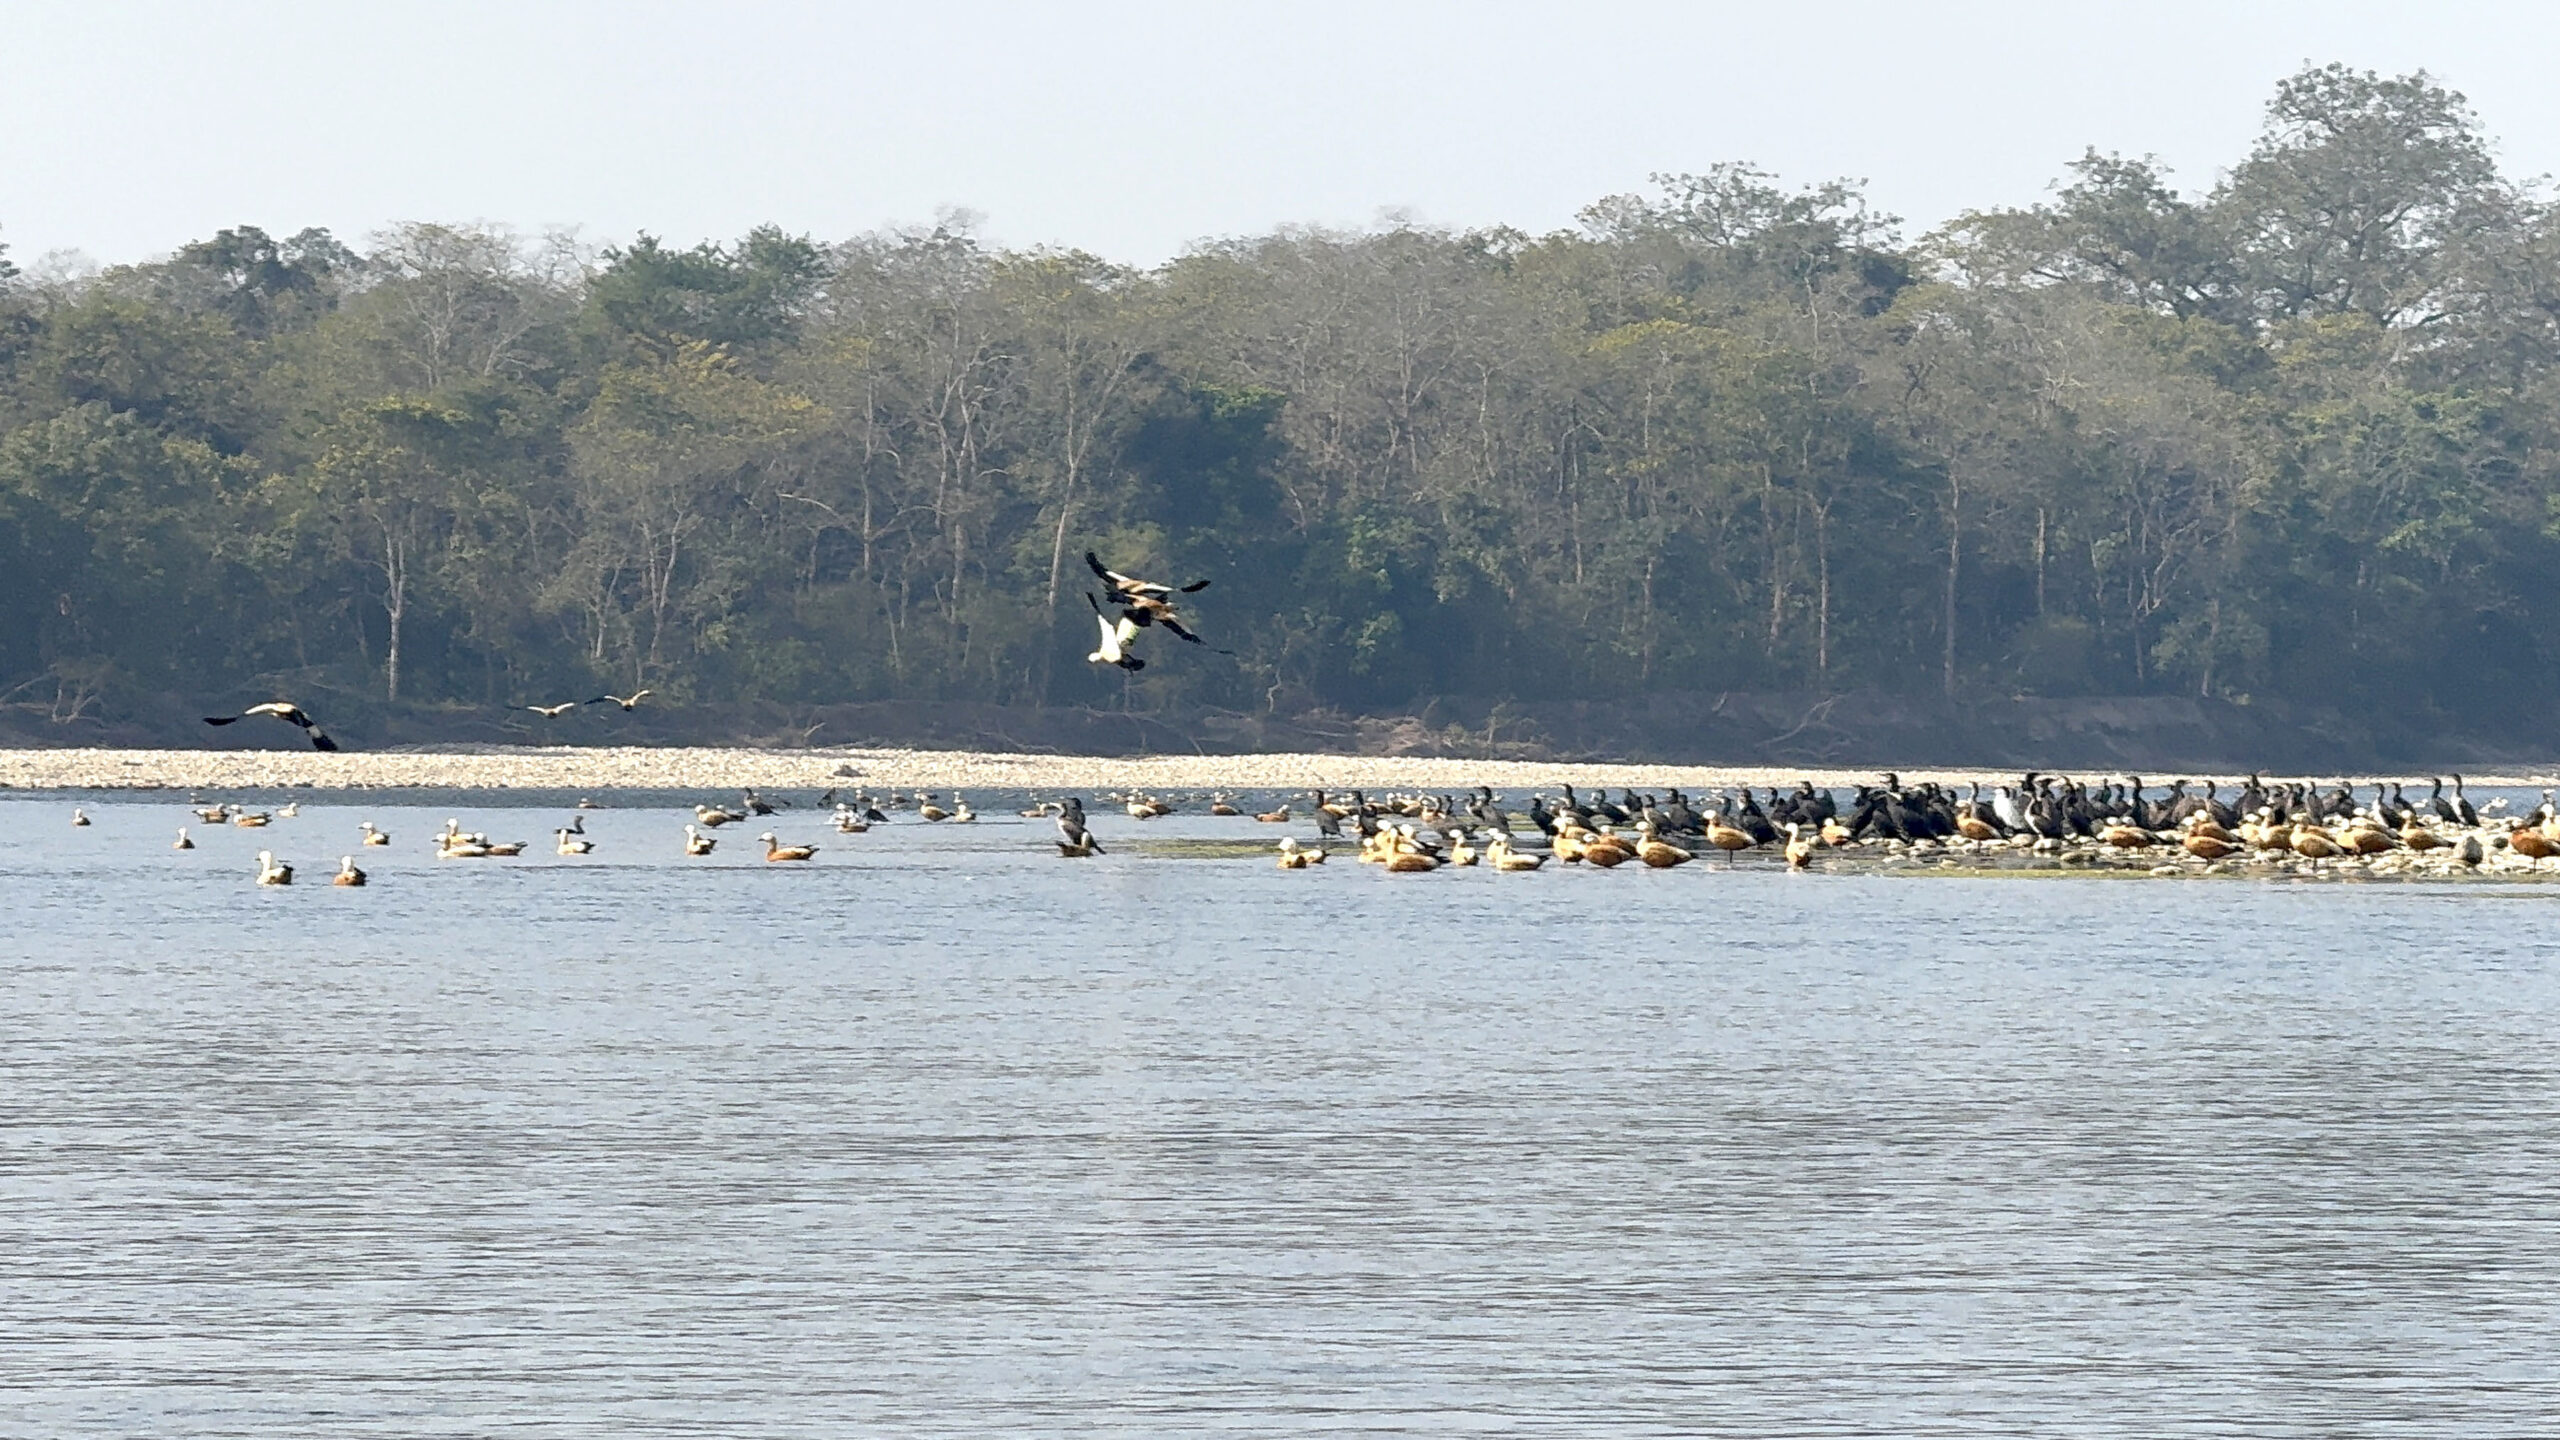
(944, 1136)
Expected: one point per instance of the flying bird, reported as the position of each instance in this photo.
(1146, 602)
(285, 711)
(1116, 637)
(554, 712)
(630, 702)
(1130, 590)
(1143, 600)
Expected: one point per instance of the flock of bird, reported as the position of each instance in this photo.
(1127, 607)
(2053, 820)
(849, 816)
(296, 716)
(2056, 819)
(2040, 820)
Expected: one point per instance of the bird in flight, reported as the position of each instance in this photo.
(1146, 602)
(1116, 637)
(630, 702)
(1130, 590)
(285, 711)
(554, 712)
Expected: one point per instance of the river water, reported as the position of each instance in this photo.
(942, 1135)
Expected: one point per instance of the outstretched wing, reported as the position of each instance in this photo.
(1176, 627)
(320, 741)
(1125, 587)
(1195, 587)
(221, 719)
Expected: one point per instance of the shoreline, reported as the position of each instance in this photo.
(722, 769)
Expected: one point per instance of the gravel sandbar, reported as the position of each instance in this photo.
(715, 769)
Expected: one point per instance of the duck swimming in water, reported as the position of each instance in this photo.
(775, 850)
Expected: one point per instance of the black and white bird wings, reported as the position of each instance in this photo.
(1132, 591)
(1117, 634)
(1144, 602)
(286, 711)
(1071, 832)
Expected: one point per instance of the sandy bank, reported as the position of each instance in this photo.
(720, 770)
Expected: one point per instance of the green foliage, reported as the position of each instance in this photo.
(749, 295)
(2292, 436)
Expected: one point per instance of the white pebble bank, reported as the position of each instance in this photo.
(708, 768)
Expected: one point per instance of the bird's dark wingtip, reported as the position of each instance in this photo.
(320, 741)
(1195, 587)
(220, 719)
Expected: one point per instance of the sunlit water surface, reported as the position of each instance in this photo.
(943, 1135)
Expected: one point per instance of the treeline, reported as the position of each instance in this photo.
(2292, 437)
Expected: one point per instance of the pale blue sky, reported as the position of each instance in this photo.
(1133, 129)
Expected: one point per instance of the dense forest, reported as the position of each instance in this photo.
(2296, 436)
